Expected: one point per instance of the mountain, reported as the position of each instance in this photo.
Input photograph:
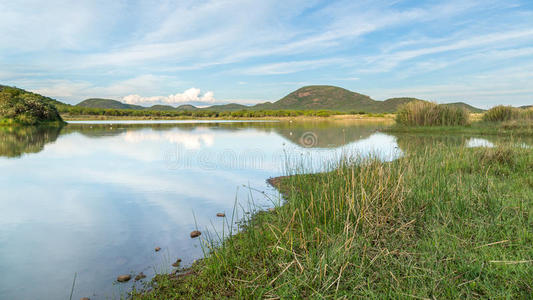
(321, 97)
(468, 107)
(160, 107)
(392, 104)
(107, 104)
(315, 97)
(227, 107)
(186, 107)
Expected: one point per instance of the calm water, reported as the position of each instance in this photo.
(95, 199)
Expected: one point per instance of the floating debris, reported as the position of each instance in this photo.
(221, 215)
(195, 234)
(157, 249)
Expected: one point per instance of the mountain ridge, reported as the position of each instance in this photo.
(313, 97)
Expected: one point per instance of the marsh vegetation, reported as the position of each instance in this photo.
(443, 222)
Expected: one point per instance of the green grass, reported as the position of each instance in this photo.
(441, 222)
(508, 128)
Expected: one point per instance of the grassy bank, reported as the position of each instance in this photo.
(443, 222)
(506, 128)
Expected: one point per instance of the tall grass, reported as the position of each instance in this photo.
(439, 223)
(503, 113)
(423, 113)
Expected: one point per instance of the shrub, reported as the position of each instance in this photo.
(26, 108)
(501, 113)
(423, 113)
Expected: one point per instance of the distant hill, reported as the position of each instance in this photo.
(526, 106)
(468, 107)
(160, 107)
(187, 107)
(392, 104)
(228, 107)
(316, 97)
(107, 104)
(321, 97)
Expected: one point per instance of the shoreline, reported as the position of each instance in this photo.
(386, 117)
(271, 256)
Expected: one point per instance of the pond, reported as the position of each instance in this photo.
(92, 200)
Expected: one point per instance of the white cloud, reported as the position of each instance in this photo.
(190, 95)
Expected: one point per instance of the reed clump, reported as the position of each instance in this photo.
(423, 113)
(503, 113)
(438, 223)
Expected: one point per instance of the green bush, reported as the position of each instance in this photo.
(423, 113)
(25, 108)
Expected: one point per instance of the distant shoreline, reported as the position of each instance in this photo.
(366, 117)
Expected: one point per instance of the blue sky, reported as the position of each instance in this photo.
(218, 51)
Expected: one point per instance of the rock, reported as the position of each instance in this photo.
(177, 263)
(221, 215)
(195, 234)
(157, 249)
(124, 278)
(140, 276)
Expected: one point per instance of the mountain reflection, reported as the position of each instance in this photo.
(320, 134)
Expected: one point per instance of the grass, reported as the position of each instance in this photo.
(423, 113)
(440, 222)
(507, 128)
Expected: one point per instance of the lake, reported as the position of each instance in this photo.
(92, 200)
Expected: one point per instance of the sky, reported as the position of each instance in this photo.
(206, 52)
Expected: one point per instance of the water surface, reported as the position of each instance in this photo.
(95, 198)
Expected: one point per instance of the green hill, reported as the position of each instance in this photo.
(392, 104)
(187, 107)
(18, 106)
(321, 97)
(468, 107)
(227, 107)
(107, 104)
(316, 97)
(160, 107)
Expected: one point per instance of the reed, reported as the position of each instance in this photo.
(503, 113)
(423, 113)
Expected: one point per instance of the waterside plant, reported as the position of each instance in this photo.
(440, 222)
